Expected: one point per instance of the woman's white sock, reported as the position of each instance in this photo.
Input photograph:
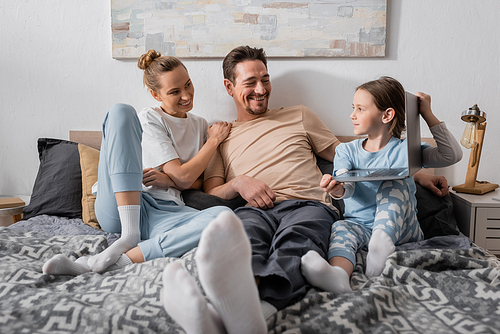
(130, 237)
(62, 265)
(122, 261)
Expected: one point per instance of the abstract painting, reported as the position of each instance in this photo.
(207, 28)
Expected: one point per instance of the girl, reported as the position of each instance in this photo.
(378, 214)
(147, 204)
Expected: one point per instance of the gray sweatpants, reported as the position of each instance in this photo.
(280, 237)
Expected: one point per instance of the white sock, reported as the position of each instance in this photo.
(123, 261)
(62, 265)
(223, 259)
(83, 260)
(183, 301)
(267, 309)
(321, 274)
(379, 249)
(130, 237)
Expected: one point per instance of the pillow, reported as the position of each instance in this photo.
(435, 214)
(63, 185)
(58, 185)
(89, 163)
(200, 200)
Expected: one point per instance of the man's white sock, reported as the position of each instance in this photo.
(183, 301)
(321, 274)
(223, 259)
(130, 237)
(379, 249)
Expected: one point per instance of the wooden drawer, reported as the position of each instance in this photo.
(487, 229)
(493, 245)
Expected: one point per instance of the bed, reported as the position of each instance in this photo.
(444, 284)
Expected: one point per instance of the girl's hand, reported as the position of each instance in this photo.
(219, 131)
(334, 188)
(424, 102)
(158, 179)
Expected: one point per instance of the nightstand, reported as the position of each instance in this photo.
(478, 217)
(11, 209)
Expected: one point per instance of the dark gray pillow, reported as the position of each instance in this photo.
(435, 214)
(58, 185)
(200, 200)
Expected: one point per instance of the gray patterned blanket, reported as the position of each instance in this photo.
(420, 291)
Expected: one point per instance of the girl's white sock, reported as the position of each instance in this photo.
(321, 274)
(267, 309)
(223, 259)
(379, 249)
(185, 304)
(130, 237)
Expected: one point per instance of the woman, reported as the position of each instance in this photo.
(147, 204)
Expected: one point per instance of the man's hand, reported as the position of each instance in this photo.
(255, 192)
(435, 183)
(153, 177)
(334, 188)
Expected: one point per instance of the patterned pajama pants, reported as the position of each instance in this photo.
(395, 214)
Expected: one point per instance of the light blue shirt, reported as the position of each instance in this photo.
(361, 206)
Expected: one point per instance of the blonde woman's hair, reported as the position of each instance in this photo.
(154, 64)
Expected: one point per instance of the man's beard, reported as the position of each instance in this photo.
(257, 112)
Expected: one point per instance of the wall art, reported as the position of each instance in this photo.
(206, 28)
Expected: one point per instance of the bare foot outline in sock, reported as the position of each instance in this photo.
(223, 259)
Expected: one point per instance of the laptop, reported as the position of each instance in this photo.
(413, 141)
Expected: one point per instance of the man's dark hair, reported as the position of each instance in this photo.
(239, 55)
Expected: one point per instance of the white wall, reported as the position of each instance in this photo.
(57, 74)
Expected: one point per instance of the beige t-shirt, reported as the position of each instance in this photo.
(278, 149)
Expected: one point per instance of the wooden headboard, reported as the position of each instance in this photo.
(93, 139)
(89, 138)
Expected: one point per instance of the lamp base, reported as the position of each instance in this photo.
(481, 187)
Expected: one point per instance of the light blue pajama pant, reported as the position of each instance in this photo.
(167, 229)
(395, 214)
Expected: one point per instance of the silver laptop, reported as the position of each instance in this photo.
(414, 151)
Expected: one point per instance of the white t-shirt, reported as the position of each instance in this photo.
(166, 138)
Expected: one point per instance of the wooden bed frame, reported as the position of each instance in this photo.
(93, 139)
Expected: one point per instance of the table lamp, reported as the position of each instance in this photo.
(473, 138)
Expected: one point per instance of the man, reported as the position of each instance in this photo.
(268, 159)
